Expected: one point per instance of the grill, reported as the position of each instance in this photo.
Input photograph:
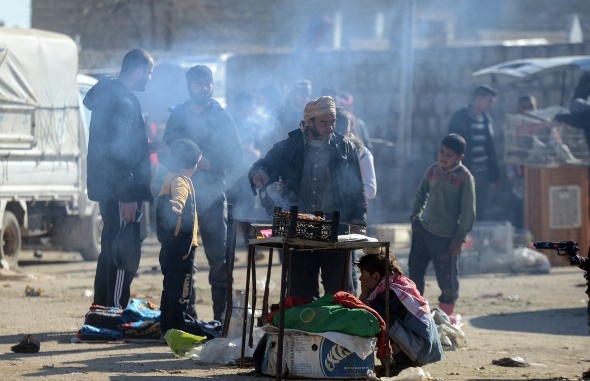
(291, 224)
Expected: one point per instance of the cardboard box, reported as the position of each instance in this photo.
(313, 356)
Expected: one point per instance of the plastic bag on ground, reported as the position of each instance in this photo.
(182, 343)
(410, 374)
(451, 336)
(528, 260)
(224, 351)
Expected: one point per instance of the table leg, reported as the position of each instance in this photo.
(345, 271)
(266, 287)
(230, 254)
(286, 267)
(251, 328)
(387, 275)
(251, 249)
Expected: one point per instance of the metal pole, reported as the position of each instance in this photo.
(406, 80)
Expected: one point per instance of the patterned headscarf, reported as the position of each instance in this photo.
(317, 107)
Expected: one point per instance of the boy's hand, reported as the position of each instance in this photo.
(455, 247)
(176, 207)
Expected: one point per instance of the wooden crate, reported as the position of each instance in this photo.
(557, 207)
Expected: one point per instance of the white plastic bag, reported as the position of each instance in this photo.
(224, 351)
(410, 374)
(527, 260)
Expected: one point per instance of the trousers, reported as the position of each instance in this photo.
(112, 287)
(177, 286)
(212, 214)
(307, 267)
(428, 247)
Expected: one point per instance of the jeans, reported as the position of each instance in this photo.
(426, 247)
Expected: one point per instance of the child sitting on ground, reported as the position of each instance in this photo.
(413, 332)
(176, 228)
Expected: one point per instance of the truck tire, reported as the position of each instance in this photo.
(10, 239)
(93, 229)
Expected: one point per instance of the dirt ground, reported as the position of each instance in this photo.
(540, 318)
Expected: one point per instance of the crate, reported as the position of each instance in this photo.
(535, 139)
(491, 238)
(399, 235)
(316, 230)
(556, 206)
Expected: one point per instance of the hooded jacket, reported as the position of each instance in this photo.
(118, 153)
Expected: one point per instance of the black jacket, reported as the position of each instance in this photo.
(118, 152)
(461, 124)
(215, 132)
(285, 159)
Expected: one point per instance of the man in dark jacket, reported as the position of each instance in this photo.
(118, 167)
(203, 120)
(474, 124)
(319, 171)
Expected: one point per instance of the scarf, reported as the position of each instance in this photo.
(406, 291)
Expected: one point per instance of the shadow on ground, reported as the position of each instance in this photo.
(562, 321)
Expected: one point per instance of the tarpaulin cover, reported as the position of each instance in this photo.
(38, 68)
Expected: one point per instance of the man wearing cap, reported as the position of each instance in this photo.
(320, 171)
(203, 120)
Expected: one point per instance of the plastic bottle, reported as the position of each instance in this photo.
(237, 315)
(279, 186)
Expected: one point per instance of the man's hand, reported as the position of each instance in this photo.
(455, 247)
(259, 179)
(204, 164)
(357, 229)
(128, 210)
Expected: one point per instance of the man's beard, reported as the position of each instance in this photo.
(202, 98)
(317, 135)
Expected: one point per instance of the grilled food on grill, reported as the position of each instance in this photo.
(302, 216)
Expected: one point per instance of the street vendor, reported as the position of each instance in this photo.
(413, 332)
(320, 171)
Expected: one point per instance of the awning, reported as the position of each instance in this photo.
(531, 68)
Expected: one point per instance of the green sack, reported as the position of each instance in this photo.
(181, 343)
(323, 315)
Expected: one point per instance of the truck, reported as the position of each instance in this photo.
(43, 146)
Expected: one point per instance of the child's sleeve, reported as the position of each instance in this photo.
(179, 189)
(421, 196)
(467, 216)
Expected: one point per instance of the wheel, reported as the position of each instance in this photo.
(10, 239)
(93, 230)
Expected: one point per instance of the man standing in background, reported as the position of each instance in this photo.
(474, 124)
(119, 172)
(203, 120)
